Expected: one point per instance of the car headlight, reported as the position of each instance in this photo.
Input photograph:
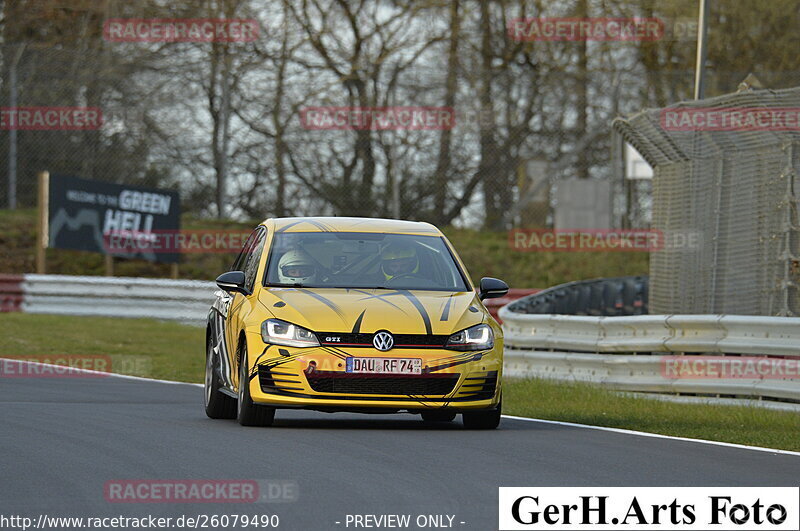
(277, 332)
(479, 337)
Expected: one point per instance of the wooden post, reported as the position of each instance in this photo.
(43, 222)
(109, 265)
(173, 270)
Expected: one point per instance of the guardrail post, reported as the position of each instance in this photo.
(42, 226)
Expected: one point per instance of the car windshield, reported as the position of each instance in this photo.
(362, 260)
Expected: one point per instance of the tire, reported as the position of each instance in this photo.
(483, 420)
(438, 416)
(249, 413)
(218, 405)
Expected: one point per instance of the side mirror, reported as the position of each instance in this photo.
(491, 288)
(232, 281)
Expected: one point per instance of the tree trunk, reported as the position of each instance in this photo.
(441, 175)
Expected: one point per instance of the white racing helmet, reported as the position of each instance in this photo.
(296, 267)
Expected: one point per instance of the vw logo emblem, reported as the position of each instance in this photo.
(383, 341)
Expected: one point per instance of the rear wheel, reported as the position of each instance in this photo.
(438, 416)
(248, 412)
(218, 405)
(483, 420)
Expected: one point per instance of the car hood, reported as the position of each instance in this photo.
(370, 310)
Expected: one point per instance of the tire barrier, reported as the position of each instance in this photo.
(597, 297)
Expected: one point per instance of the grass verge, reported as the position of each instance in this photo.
(173, 351)
(589, 404)
(141, 347)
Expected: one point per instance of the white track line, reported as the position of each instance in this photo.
(510, 417)
(99, 373)
(655, 435)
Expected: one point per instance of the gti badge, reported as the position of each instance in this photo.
(383, 341)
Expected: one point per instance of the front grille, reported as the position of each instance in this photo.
(378, 384)
(365, 340)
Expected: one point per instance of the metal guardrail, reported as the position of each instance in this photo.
(718, 334)
(181, 300)
(628, 353)
(639, 373)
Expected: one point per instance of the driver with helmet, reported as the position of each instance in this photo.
(296, 267)
(399, 260)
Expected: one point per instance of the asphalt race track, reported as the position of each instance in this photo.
(62, 439)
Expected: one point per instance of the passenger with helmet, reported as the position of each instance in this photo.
(296, 267)
(399, 260)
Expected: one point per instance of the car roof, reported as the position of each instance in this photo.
(344, 224)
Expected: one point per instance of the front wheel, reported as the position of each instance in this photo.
(483, 420)
(249, 413)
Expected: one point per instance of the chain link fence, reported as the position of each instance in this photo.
(725, 171)
(40, 79)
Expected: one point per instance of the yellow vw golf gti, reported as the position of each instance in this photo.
(352, 314)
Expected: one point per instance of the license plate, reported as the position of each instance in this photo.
(384, 365)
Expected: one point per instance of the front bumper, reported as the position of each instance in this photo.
(315, 378)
